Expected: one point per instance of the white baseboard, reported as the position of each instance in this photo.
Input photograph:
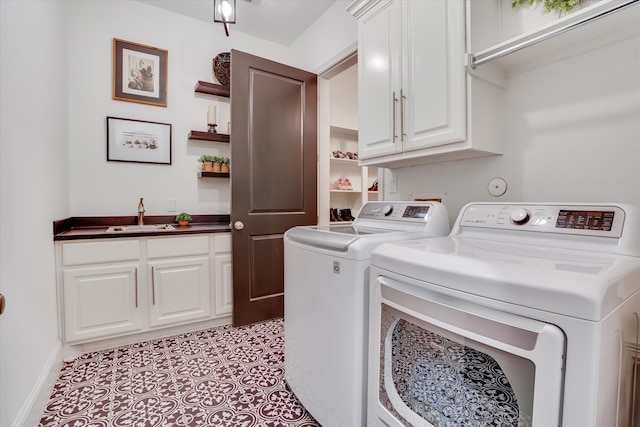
(33, 407)
(72, 351)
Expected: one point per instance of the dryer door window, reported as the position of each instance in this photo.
(441, 365)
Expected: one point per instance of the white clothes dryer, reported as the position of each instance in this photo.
(326, 303)
(526, 315)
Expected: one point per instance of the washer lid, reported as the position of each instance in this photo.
(336, 237)
(582, 284)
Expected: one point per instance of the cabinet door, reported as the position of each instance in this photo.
(379, 62)
(433, 89)
(100, 301)
(223, 275)
(223, 284)
(179, 290)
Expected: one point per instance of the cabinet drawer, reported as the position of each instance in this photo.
(223, 243)
(177, 246)
(100, 252)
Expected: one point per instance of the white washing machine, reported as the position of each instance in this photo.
(526, 315)
(326, 275)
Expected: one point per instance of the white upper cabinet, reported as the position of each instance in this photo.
(379, 80)
(432, 102)
(415, 97)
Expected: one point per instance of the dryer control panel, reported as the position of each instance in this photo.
(585, 220)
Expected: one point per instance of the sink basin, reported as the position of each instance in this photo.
(139, 228)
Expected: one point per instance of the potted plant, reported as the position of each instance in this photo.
(207, 163)
(183, 218)
(217, 163)
(224, 168)
(550, 5)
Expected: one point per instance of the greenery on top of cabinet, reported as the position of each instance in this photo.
(549, 5)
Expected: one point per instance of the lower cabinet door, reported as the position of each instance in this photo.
(101, 301)
(179, 290)
(223, 284)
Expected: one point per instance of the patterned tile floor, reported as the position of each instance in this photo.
(221, 377)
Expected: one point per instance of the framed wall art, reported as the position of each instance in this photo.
(139, 73)
(138, 141)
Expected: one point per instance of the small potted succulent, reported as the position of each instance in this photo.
(224, 168)
(217, 163)
(207, 162)
(183, 218)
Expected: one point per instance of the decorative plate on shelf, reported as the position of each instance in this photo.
(222, 68)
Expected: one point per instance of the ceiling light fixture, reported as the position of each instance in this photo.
(224, 11)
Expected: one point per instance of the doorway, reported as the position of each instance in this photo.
(338, 146)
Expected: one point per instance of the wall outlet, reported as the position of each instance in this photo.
(171, 205)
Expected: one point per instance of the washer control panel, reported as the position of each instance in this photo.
(591, 220)
(399, 211)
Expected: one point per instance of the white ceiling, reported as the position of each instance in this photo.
(280, 21)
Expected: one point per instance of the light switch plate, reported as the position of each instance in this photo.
(171, 205)
(394, 185)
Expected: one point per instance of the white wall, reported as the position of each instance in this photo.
(34, 182)
(570, 134)
(327, 41)
(99, 187)
(344, 98)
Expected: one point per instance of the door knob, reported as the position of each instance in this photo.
(2, 303)
(238, 225)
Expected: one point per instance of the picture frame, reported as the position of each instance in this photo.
(139, 73)
(138, 141)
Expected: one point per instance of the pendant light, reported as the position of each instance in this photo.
(224, 11)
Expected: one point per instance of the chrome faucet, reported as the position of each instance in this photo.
(140, 212)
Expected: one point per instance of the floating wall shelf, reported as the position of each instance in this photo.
(208, 136)
(213, 175)
(213, 89)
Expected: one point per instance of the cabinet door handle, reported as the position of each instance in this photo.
(136, 285)
(394, 104)
(153, 287)
(402, 99)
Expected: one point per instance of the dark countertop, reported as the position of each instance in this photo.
(79, 228)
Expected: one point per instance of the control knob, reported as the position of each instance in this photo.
(387, 209)
(519, 216)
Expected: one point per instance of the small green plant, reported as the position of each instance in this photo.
(183, 216)
(549, 5)
(205, 158)
(225, 160)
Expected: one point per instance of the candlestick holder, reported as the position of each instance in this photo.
(212, 128)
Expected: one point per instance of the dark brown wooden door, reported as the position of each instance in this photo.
(273, 177)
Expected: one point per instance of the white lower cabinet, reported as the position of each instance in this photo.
(117, 287)
(180, 290)
(101, 301)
